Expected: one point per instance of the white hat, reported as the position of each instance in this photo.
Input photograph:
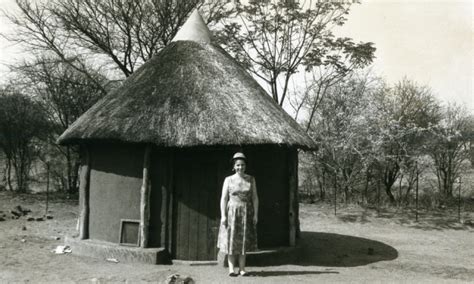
(239, 155)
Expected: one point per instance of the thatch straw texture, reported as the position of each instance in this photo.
(189, 94)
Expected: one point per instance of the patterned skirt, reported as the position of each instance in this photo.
(240, 234)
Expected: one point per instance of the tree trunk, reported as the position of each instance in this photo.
(9, 174)
(68, 169)
(322, 192)
(390, 194)
(366, 188)
(400, 190)
(75, 178)
(407, 193)
(346, 194)
(389, 178)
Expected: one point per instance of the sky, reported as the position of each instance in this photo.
(428, 41)
(431, 42)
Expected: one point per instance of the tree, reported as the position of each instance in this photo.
(343, 135)
(65, 94)
(22, 120)
(75, 41)
(118, 33)
(274, 39)
(405, 112)
(449, 147)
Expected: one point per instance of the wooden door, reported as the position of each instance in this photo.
(268, 164)
(196, 206)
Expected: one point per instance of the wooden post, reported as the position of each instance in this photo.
(459, 201)
(378, 196)
(47, 190)
(293, 187)
(170, 204)
(335, 193)
(163, 215)
(145, 199)
(416, 193)
(84, 195)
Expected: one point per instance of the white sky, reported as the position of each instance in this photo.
(431, 42)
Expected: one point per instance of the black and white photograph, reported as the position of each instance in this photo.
(236, 141)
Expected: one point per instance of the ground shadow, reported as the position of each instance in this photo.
(327, 249)
(288, 273)
(427, 220)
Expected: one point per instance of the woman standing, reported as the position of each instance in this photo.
(239, 216)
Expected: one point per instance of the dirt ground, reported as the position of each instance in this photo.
(357, 246)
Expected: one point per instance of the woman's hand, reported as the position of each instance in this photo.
(224, 221)
(255, 219)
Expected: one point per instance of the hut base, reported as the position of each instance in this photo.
(107, 250)
(265, 257)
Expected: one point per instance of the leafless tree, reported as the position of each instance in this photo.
(121, 34)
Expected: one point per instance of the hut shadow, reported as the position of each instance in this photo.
(335, 250)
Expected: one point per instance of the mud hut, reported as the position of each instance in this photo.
(156, 152)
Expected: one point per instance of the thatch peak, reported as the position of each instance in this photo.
(194, 29)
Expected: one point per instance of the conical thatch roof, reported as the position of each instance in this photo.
(191, 93)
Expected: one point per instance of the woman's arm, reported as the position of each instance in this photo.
(224, 200)
(255, 201)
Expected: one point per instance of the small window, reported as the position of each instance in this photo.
(129, 232)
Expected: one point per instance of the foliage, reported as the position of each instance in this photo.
(22, 122)
(65, 94)
(449, 147)
(372, 135)
(404, 114)
(274, 39)
(343, 134)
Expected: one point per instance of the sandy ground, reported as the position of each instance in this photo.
(357, 246)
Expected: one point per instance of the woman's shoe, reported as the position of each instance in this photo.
(243, 273)
(232, 274)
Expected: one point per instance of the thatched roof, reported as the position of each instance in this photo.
(191, 93)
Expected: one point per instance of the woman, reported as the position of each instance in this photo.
(239, 211)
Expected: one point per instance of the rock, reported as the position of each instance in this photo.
(49, 217)
(176, 278)
(23, 228)
(62, 250)
(39, 219)
(30, 219)
(114, 260)
(23, 240)
(2, 219)
(15, 213)
(21, 210)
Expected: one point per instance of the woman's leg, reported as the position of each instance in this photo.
(231, 262)
(242, 263)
